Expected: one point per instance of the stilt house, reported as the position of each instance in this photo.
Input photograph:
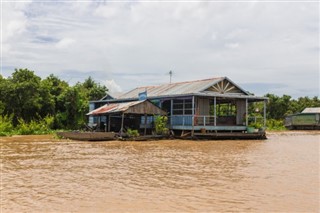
(209, 105)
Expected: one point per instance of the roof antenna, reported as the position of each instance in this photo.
(170, 73)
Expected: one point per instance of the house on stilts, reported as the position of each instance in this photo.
(215, 107)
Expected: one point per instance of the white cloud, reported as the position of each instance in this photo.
(232, 45)
(65, 43)
(112, 86)
(137, 43)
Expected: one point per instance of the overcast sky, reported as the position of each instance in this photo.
(265, 47)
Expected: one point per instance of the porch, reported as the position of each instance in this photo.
(209, 123)
(209, 114)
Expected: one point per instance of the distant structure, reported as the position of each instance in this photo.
(309, 118)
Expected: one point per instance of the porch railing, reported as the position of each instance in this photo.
(208, 120)
(186, 120)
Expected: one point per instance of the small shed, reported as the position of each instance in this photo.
(134, 114)
(311, 110)
(308, 119)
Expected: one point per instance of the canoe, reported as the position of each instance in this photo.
(88, 136)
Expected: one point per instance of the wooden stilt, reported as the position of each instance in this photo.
(122, 120)
(109, 122)
(145, 124)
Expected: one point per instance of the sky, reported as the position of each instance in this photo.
(263, 46)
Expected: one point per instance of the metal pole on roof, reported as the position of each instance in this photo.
(170, 73)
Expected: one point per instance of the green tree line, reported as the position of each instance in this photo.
(278, 107)
(31, 105)
(27, 101)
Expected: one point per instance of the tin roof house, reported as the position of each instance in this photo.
(205, 107)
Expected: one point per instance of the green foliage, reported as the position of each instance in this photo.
(161, 125)
(133, 133)
(35, 127)
(27, 98)
(38, 105)
(24, 95)
(256, 125)
(273, 124)
(277, 107)
(6, 127)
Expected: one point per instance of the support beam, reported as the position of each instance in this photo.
(122, 120)
(99, 123)
(193, 108)
(264, 113)
(145, 124)
(246, 112)
(171, 111)
(215, 110)
(105, 124)
(109, 122)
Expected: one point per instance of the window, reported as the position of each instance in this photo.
(182, 107)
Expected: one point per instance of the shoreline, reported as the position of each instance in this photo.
(53, 137)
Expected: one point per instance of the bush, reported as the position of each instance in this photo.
(6, 127)
(133, 133)
(35, 127)
(273, 124)
(161, 125)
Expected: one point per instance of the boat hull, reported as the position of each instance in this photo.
(88, 136)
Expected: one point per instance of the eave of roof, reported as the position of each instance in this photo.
(133, 107)
(202, 94)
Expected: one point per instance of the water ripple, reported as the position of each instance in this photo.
(280, 174)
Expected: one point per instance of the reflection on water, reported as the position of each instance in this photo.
(278, 174)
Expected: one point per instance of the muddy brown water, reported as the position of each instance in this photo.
(42, 174)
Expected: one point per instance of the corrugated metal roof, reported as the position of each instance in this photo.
(130, 107)
(179, 88)
(311, 110)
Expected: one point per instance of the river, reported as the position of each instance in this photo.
(42, 174)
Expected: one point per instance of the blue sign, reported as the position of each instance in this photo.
(142, 96)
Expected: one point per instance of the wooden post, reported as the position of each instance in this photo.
(109, 122)
(246, 112)
(122, 120)
(215, 110)
(105, 125)
(192, 133)
(264, 113)
(171, 111)
(145, 124)
(99, 123)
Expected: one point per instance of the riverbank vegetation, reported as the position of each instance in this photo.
(31, 105)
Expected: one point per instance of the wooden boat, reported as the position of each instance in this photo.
(88, 136)
(232, 135)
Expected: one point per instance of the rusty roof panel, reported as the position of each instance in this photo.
(134, 107)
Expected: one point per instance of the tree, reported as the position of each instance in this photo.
(22, 95)
(277, 107)
(28, 98)
(94, 90)
(54, 103)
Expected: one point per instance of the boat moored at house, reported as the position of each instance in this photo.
(208, 107)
